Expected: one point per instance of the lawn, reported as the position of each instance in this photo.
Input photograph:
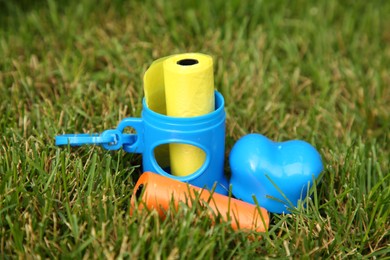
(312, 70)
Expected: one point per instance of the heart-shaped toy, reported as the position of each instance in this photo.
(278, 174)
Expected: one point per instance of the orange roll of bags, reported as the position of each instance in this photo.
(156, 192)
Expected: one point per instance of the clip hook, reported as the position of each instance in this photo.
(111, 139)
(81, 139)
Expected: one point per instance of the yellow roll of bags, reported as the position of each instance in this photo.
(181, 86)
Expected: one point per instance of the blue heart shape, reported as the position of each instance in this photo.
(258, 165)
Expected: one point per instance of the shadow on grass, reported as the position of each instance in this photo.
(19, 8)
(10, 8)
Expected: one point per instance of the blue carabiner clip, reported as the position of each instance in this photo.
(112, 139)
(81, 139)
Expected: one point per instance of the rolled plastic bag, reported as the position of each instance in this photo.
(156, 192)
(181, 86)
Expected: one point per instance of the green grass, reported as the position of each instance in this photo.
(312, 70)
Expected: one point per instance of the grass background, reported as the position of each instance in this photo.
(311, 70)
